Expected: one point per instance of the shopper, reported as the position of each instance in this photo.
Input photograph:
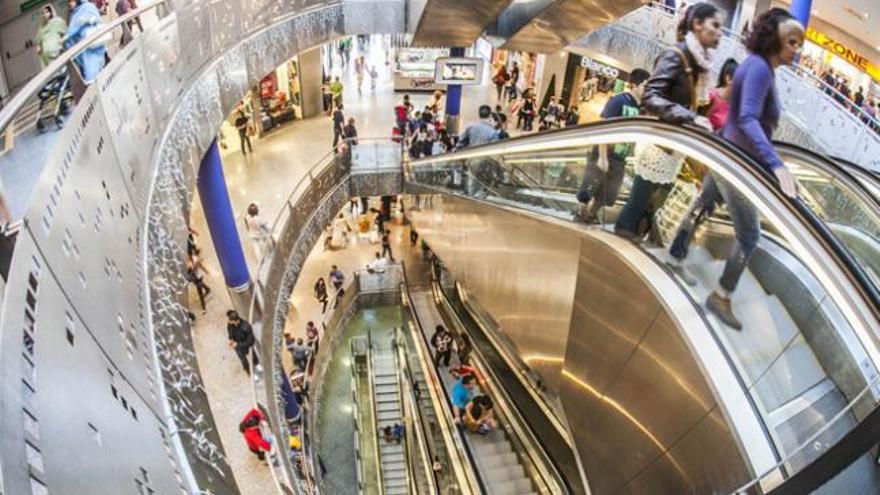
(775, 40)
(464, 348)
(350, 132)
(85, 20)
(378, 264)
(50, 37)
(195, 274)
(718, 112)
(386, 245)
(337, 279)
(605, 170)
(549, 115)
(401, 115)
(512, 83)
(526, 110)
(241, 338)
(374, 78)
(656, 168)
(257, 228)
(360, 68)
(242, 124)
(442, 343)
(480, 132)
(462, 393)
(500, 80)
(336, 89)
(321, 293)
(338, 125)
(436, 102)
(388, 434)
(413, 235)
(300, 354)
(680, 82)
(397, 432)
(479, 415)
(312, 337)
(250, 429)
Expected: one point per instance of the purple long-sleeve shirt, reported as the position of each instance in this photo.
(754, 111)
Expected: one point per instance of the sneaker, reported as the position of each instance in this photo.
(258, 368)
(721, 307)
(682, 273)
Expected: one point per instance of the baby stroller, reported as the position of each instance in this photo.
(57, 97)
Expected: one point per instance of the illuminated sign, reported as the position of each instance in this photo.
(853, 57)
(600, 68)
(463, 71)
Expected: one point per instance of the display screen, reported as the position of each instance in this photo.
(466, 71)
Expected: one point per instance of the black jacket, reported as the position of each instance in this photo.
(242, 334)
(669, 94)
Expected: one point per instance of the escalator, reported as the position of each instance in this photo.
(804, 365)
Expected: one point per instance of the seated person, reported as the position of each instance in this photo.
(479, 416)
(377, 265)
(462, 392)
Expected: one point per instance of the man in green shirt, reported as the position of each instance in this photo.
(336, 91)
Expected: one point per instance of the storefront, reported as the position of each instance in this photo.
(530, 66)
(822, 52)
(414, 68)
(280, 98)
(589, 83)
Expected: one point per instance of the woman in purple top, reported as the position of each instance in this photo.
(775, 40)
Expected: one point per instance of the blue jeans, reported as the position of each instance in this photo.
(705, 207)
(747, 229)
(604, 186)
(636, 205)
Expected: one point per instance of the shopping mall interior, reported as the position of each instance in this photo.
(388, 247)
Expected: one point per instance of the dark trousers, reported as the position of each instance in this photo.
(323, 300)
(243, 353)
(603, 186)
(444, 355)
(244, 138)
(337, 135)
(203, 291)
(386, 248)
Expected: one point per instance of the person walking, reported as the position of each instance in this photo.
(321, 293)
(679, 84)
(242, 123)
(250, 429)
(336, 89)
(374, 78)
(257, 228)
(337, 279)
(338, 125)
(360, 68)
(442, 343)
(85, 20)
(776, 39)
(604, 174)
(195, 274)
(512, 89)
(50, 37)
(350, 132)
(242, 339)
(300, 354)
(312, 337)
(500, 80)
(464, 348)
(386, 245)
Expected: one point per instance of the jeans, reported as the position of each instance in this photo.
(442, 355)
(705, 207)
(747, 228)
(604, 186)
(636, 205)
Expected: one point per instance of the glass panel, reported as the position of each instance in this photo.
(801, 362)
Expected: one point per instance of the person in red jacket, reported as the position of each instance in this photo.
(250, 428)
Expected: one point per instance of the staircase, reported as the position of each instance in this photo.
(500, 468)
(386, 394)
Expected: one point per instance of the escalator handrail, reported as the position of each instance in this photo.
(463, 445)
(854, 174)
(861, 280)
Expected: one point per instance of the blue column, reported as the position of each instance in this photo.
(800, 9)
(453, 99)
(221, 220)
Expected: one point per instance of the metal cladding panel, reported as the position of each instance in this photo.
(564, 22)
(128, 110)
(635, 390)
(258, 13)
(521, 270)
(456, 22)
(69, 417)
(83, 203)
(162, 55)
(225, 17)
(233, 78)
(374, 16)
(194, 31)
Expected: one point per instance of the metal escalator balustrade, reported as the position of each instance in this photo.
(797, 299)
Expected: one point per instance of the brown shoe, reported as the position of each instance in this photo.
(720, 306)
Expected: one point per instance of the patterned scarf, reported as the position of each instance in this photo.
(703, 56)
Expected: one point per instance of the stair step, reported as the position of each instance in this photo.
(388, 416)
(396, 490)
(398, 471)
(387, 397)
(503, 473)
(385, 379)
(388, 406)
(521, 485)
(397, 482)
(494, 461)
(386, 448)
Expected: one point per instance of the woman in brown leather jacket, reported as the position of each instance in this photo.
(680, 82)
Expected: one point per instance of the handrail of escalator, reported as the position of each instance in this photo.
(855, 174)
(465, 467)
(422, 433)
(861, 279)
(531, 444)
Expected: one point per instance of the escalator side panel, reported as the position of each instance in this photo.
(522, 271)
